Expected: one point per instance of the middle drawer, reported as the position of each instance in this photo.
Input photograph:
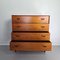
(30, 36)
(30, 27)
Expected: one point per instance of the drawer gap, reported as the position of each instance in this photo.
(31, 31)
(27, 41)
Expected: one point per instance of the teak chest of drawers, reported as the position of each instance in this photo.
(30, 33)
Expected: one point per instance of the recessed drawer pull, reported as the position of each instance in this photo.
(17, 35)
(18, 26)
(16, 45)
(42, 26)
(18, 18)
(44, 46)
(42, 18)
(43, 35)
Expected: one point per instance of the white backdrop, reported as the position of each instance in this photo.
(34, 7)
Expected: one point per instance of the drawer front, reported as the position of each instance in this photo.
(30, 46)
(40, 19)
(31, 36)
(30, 27)
(30, 19)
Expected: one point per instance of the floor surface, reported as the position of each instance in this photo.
(6, 54)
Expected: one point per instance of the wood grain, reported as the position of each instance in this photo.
(30, 36)
(30, 27)
(30, 19)
(30, 46)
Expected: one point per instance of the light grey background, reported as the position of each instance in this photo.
(34, 7)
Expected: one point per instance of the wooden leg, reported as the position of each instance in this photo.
(44, 51)
(15, 50)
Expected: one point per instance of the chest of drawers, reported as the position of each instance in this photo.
(30, 33)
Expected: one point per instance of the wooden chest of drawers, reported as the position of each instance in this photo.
(30, 33)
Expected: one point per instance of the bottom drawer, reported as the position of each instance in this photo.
(30, 46)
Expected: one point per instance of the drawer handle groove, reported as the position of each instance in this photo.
(43, 35)
(44, 46)
(16, 45)
(18, 18)
(42, 18)
(18, 26)
(17, 35)
(42, 26)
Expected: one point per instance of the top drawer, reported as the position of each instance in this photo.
(16, 19)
